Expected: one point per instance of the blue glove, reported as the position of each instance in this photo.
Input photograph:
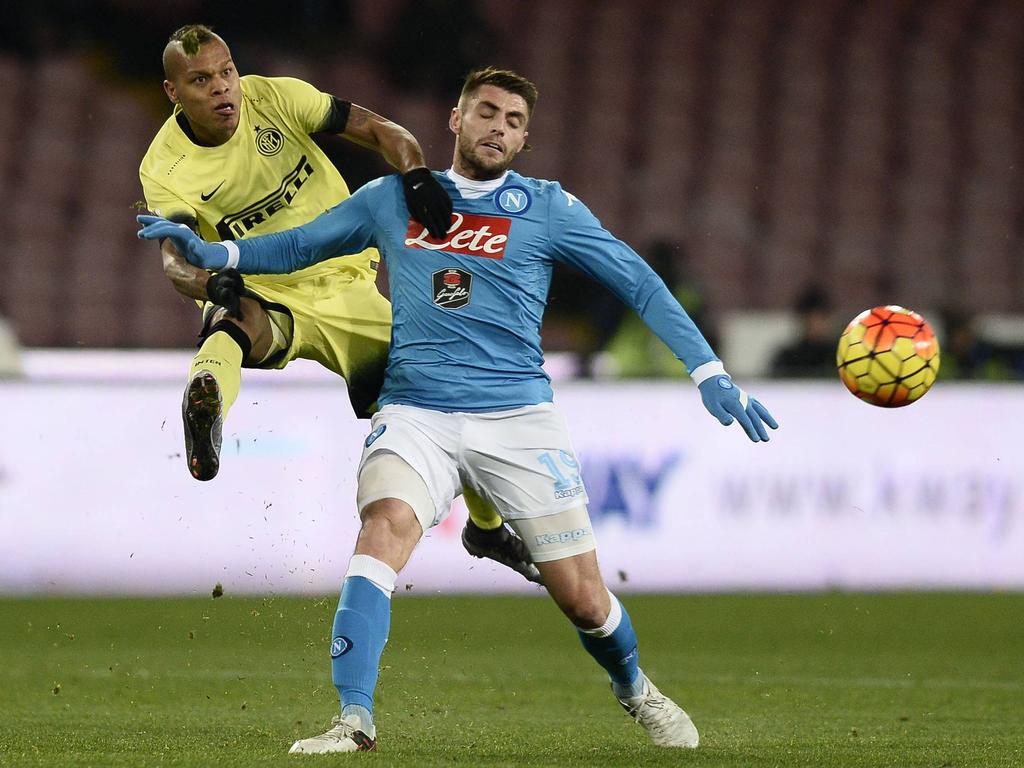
(725, 401)
(195, 250)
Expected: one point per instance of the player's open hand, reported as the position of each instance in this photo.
(195, 250)
(428, 202)
(727, 403)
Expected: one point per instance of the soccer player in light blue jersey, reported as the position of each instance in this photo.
(466, 402)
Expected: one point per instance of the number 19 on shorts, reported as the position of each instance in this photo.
(565, 471)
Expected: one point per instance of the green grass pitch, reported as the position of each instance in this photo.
(847, 680)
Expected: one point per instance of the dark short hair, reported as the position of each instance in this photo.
(505, 79)
(192, 36)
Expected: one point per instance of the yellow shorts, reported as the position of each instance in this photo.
(336, 317)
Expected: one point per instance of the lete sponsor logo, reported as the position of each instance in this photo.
(469, 235)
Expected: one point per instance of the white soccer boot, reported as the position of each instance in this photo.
(665, 722)
(344, 736)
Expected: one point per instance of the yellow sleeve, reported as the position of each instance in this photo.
(303, 105)
(162, 202)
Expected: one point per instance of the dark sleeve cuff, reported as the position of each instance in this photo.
(337, 118)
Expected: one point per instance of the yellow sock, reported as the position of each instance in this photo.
(221, 356)
(481, 513)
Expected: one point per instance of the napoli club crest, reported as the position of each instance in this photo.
(513, 200)
(452, 288)
(340, 646)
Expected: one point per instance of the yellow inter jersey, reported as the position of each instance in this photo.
(269, 176)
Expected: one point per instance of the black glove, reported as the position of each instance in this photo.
(225, 289)
(428, 203)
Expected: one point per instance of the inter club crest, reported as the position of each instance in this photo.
(269, 141)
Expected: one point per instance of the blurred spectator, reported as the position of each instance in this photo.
(10, 353)
(813, 354)
(632, 350)
(435, 43)
(967, 355)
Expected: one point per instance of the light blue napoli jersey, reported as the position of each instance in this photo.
(467, 308)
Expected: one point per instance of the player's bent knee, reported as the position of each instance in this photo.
(254, 332)
(388, 521)
(579, 593)
(590, 609)
(221, 322)
(386, 475)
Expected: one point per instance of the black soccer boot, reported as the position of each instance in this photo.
(201, 412)
(502, 546)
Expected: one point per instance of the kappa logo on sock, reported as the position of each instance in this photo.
(375, 434)
(340, 646)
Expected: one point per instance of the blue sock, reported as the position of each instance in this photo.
(614, 646)
(361, 627)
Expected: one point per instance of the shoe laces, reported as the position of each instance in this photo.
(340, 729)
(655, 712)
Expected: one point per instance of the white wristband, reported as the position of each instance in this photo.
(232, 248)
(704, 372)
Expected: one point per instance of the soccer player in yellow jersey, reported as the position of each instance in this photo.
(236, 159)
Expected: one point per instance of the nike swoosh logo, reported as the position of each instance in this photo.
(205, 197)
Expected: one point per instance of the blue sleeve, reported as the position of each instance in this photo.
(346, 228)
(581, 241)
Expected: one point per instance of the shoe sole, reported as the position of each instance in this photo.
(201, 415)
(362, 742)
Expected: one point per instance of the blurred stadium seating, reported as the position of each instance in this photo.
(874, 145)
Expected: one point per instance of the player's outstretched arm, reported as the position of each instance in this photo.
(727, 402)
(580, 240)
(223, 288)
(188, 244)
(187, 280)
(427, 200)
(347, 228)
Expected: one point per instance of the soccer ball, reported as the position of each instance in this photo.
(888, 356)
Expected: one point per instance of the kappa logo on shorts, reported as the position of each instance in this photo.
(340, 646)
(452, 288)
(568, 493)
(370, 438)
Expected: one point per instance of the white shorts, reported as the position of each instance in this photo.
(521, 461)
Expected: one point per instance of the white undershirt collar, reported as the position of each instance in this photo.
(471, 188)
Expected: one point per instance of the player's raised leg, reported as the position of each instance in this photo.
(215, 379)
(573, 579)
